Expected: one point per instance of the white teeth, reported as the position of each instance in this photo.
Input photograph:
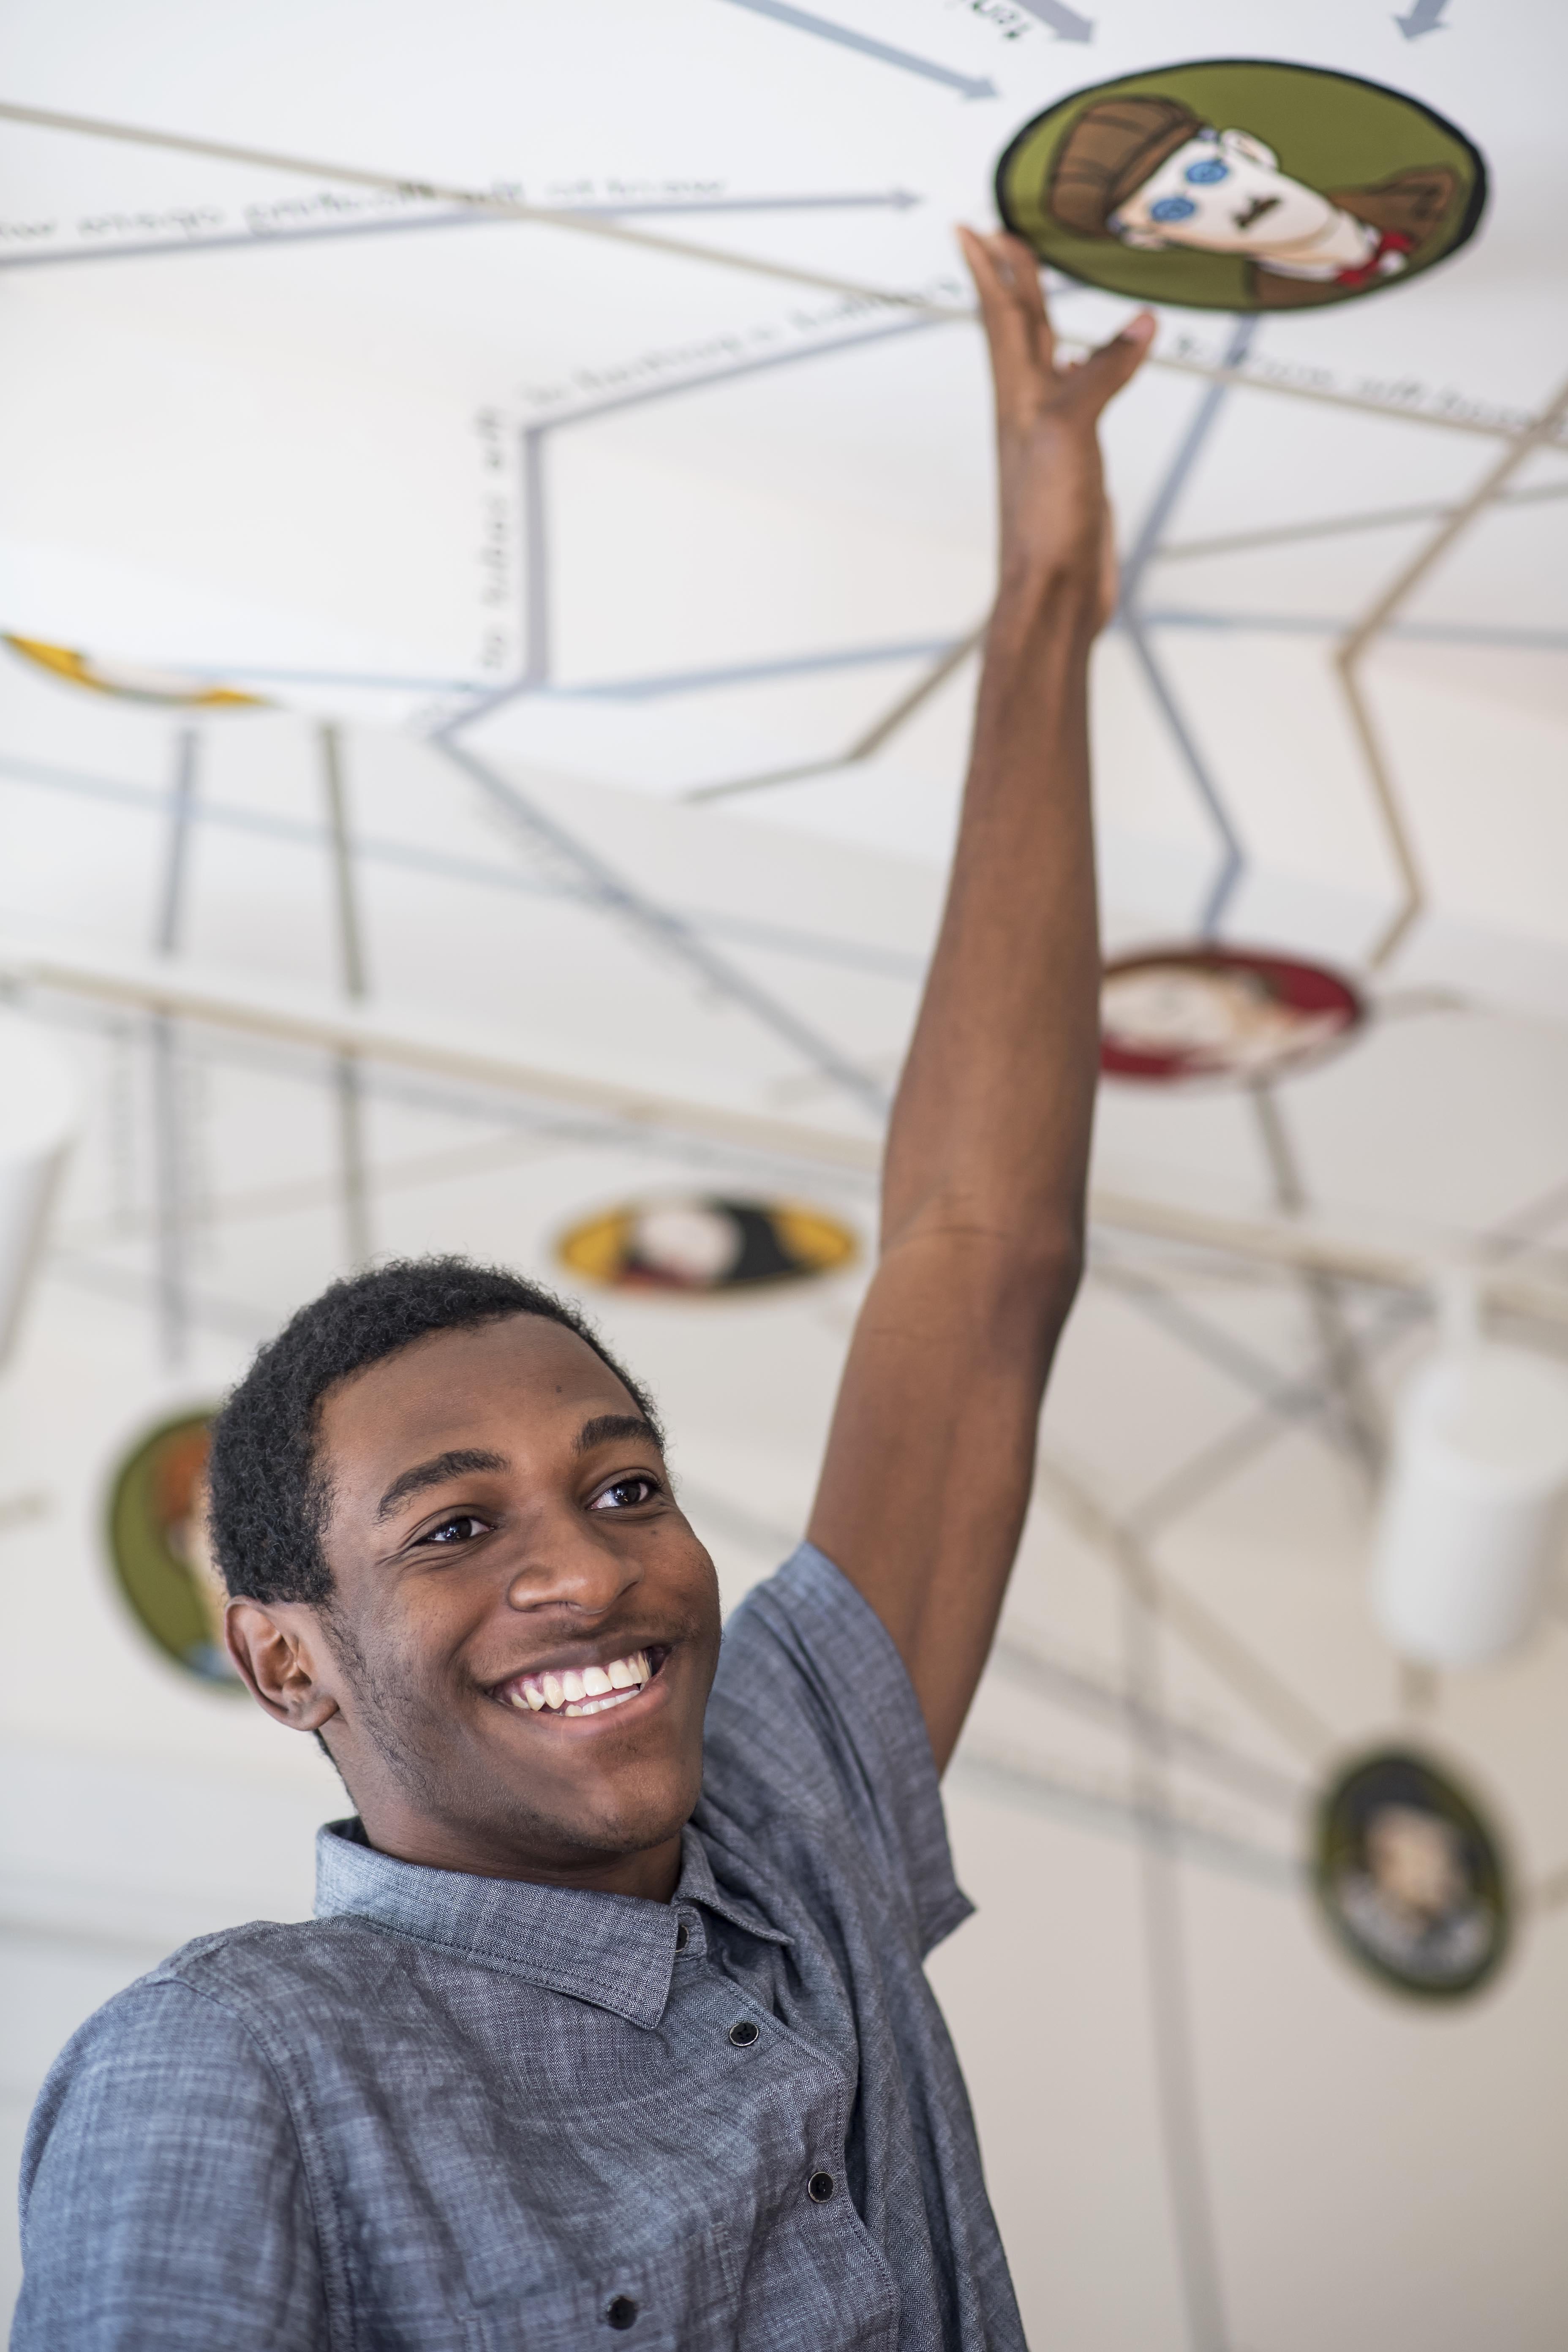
(584, 1693)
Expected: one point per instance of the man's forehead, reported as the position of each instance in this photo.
(521, 1372)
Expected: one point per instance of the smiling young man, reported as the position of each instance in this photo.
(612, 2020)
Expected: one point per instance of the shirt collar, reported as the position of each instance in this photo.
(615, 1950)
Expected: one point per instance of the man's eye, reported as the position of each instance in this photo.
(626, 1494)
(460, 1528)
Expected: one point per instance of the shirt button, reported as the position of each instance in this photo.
(621, 2312)
(819, 2187)
(744, 2034)
(682, 1938)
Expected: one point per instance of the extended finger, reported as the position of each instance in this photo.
(1012, 307)
(1101, 375)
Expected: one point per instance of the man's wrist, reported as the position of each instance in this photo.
(1035, 593)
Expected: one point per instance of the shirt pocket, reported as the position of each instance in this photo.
(682, 2298)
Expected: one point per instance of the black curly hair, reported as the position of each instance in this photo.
(269, 1496)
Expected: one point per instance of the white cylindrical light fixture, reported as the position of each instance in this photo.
(1478, 1478)
(37, 1120)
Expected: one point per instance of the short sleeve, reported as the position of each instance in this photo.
(812, 1713)
(164, 2206)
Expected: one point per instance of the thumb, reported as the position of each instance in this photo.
(1104, 372)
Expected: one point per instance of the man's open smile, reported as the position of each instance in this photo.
(584, 1690)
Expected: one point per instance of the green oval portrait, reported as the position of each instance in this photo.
(1241, 184)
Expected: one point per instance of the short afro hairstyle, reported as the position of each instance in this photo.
(268, 1493)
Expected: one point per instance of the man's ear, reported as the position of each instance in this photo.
(279, 1653)
(1242, 142)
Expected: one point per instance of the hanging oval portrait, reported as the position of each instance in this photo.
(159, 1546)
(1411, 1878)
(1241, 184)
(701, 1244)
(1183, 1013)
(130, 681)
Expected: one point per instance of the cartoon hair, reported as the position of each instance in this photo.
(1113, 147)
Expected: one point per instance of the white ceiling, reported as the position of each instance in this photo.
(274, 467)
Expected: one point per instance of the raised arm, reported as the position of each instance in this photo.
(931, 1455)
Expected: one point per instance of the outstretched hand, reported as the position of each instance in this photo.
(1056, 526)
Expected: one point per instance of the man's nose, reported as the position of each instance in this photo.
(570, 1563)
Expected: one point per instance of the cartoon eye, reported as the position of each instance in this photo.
(1172, 208)
(1205, 174)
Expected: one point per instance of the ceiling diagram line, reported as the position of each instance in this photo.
(871, 739)
(1285, 534)
(354, 1158)
(1167, 1987)
(993, 1769)
(536, 674)
(409, 1172)
(1210, 1468)
(1225, 1655)
(651, 687)
(1296, 1399)
(1521, 1285)
(1344, 1375)
(825, 29)
(1017, 1660)
(811, 946)
(503, 207)
(476, 199)
(257, 240)
(1307, 624)
(659, 928)
(1232, 854)
(1350, 652)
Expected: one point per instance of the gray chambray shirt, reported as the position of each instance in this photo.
(458, 2115)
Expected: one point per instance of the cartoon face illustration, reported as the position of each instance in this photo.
(1416, 1862)
(1146, 171)
(130, 681)
(705, 1244)
(162, 1550)
(1243, 175)
(1218, 1012)
(1410, 1877)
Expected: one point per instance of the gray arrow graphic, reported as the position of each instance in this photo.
(1068, 25)
(1420, 16)
(827, 31)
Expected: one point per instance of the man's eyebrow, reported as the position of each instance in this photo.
(433, 1473)
(608, 1426)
